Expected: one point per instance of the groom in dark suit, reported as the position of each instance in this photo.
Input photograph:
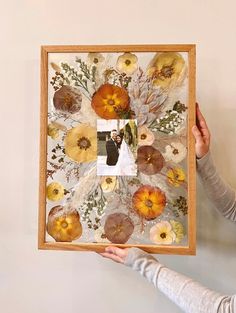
(112, 149)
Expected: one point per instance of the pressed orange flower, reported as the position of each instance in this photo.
(149, 202)
(176, 176)
(62, 225)
(166, 68)
(111, 102)
(81, 143)
(150, 160)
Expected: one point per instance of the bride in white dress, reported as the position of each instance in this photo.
(126, 162)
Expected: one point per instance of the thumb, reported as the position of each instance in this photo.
(117, 251)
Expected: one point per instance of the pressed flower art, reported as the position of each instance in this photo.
(116, 149)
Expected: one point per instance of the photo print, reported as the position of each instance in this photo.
(117, 147)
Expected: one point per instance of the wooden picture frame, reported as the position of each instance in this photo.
(167, 69)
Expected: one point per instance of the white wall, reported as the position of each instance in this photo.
(33, 281)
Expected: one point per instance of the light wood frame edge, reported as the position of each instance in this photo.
(42, 244)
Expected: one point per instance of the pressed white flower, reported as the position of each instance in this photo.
(162, 233)
(145, 136)
(127, 63)
(175, 152)
(95, 59)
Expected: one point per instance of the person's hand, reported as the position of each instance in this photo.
(201, 134)
(116, 254)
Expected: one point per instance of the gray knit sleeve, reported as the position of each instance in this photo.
(218, 191)
(189, 295)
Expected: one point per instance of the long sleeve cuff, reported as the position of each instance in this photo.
(144, 263)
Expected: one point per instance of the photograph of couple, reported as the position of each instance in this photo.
(117, 147)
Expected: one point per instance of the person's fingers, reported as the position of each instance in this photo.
(117, 251)
(201, 122)
(197, 134)
(112, 256)
(200, 118)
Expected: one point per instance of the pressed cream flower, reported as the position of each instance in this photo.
(166, 69)
(162, 233)
(175, 152)
(145, 136)
(81, 143)
(95, 59)
(176, 176)
(55, 191)
(127, 63)
(109, 183)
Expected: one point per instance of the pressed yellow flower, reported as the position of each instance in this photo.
(53, 129)
(176, 176)
(81, 143)
(178, 230)
(53, 132)
(127, 63)
(109, 183)
(55, 191)
(162, 233)
(166, 68)
(145, 136)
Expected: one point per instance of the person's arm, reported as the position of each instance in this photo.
(218, 191)
(189, 295)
